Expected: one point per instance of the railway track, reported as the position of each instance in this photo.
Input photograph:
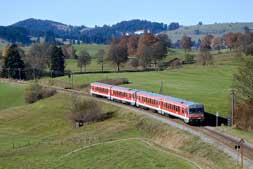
(223, 141)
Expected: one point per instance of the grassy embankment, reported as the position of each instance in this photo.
(11, 95)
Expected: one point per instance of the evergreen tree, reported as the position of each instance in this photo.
(13, 64)
(57, 61)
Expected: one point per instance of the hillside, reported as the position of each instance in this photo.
(41, 25)
(197, 31)
(103, 34)
(41, 136)
(25, 30)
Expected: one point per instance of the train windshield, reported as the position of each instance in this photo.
(196, 110)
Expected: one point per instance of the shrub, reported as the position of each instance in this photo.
(134, 63)
(36, 92)
(85, 110)
(118, 81)
(243, 117)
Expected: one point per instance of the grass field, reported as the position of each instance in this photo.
(39, 135)
(11, 95)
(91, 48)
(209, 85)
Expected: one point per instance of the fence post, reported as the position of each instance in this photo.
(217, 119)
(19, 72)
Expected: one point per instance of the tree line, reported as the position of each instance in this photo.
(239, 42)
(43, 59)
(145, 50)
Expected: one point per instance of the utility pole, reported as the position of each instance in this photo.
(217, 119)
(161, 87)
(34, 74)
(241, 145)
(233, 106)
(19, 72)
(72, 79)
(8, 72)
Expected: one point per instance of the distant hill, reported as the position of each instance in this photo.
(33, 30)
(38, 28)
(197, 31)
(41, 25)
(106, 32)
(14, 34)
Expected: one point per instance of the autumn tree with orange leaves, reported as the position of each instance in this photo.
(232, 40)
(217, 43)
(132, 45)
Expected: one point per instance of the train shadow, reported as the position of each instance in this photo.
(211, 120)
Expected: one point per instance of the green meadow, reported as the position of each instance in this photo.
(11, 95)
(209, 85)
(40, 135)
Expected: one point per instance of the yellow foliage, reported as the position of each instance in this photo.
(5, 51)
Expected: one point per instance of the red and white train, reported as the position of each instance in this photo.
(186, 110)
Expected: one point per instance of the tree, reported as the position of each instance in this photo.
(13, 64)
(38, 56)
(159, 51)
(69, 51)
(145, 49)
(50, 37)
(118, 53)
(217, 43)
(166, 41)
(84, 59)
(132, 45)
(244, 90)
(5, 50)
(231, 40)
(57, 61)
(205, 56)
(206, 42)
(244, 80)
(246, 43)
(173, 26)
(100, 58)
(186, 44)
(134, 62)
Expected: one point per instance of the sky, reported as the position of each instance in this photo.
(100, 12)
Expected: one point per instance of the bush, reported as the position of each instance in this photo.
(134, 63)
(118, 81)
(86, 110)
(243, 117)
(36, 92)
